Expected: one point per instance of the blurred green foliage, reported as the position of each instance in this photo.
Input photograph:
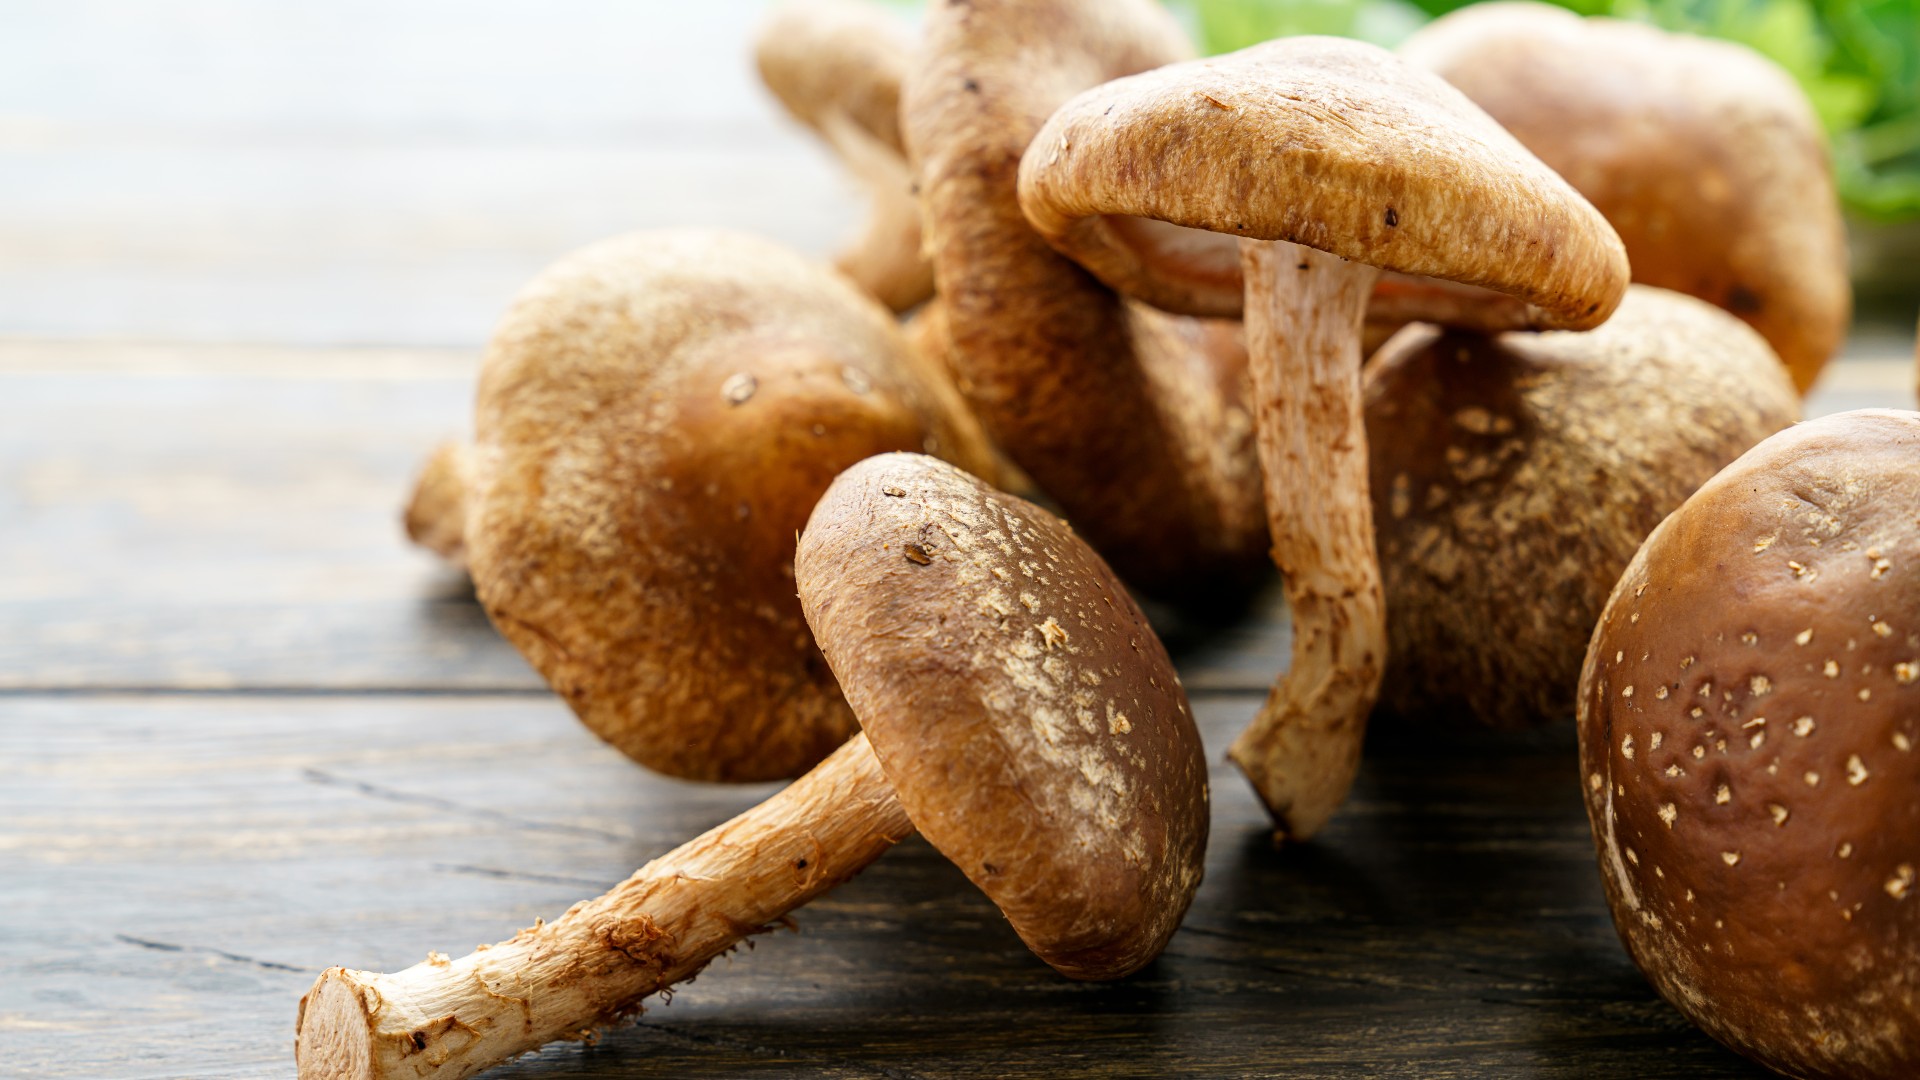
(1858, 60)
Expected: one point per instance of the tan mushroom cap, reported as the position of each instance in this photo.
(1324, 142)
(1749, 716)
(1705, 156)
(1057, 763)
(656, 416)
(1514, 476)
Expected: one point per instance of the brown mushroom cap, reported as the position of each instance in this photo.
(1514, 476)
(1748, 717)
(1324, 142)
(1135, 423)
(836, 66)
(657, 414)
(1058, 765)
(1704, 155)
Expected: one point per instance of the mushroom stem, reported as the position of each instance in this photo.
(436, 515)
(1304, 315)
(441, 1020)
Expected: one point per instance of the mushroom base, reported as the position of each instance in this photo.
(444, 1019)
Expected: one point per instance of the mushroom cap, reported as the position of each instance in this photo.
(1514, 476)
(1748, 716)
(1329, 143)
(1704, 155)
(1028, 717)
(657, 414)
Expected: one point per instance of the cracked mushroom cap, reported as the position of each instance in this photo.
(1704, 155)
(1027, 715)
(1515, 475)
(1329, 143)
(657, 414)
(1748, 719)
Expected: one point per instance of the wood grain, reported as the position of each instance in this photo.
(181, 867)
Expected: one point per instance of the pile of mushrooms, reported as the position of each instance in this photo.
(1145, 284)
(1327, 159)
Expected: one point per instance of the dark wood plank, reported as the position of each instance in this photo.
(177, 869)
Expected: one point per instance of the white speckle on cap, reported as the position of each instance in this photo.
(1723, 794)
(1760, 685)
(1856, 770)
(1626, 747)
(1668, 812)
(1655, 741)
(1882, 629)
(1779, 813)
(1812, 779)
(1845, 850)
(1731, 858)
(1803, 636)
(1803, 726)
(1901, 881)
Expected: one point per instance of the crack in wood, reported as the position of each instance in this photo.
(376, 791)
(525, 875)
(207, 950)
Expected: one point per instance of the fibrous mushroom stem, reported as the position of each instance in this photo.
(445, 1019)
(1304, 315)
(885, 259)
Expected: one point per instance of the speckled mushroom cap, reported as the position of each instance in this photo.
(656, 416)
(1329, 143)
(1135, 423)
(1748, 718)
(1514, 476)
(1027, 715)
(1704, 155)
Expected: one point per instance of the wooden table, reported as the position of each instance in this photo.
(246, 732)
